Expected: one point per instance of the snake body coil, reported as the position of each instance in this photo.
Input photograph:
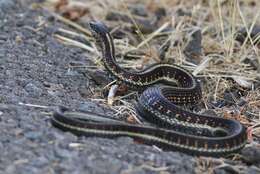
(180, 129)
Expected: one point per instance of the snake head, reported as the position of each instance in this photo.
(98, 28)
(100, 33)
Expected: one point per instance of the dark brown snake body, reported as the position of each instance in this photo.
(179, 129)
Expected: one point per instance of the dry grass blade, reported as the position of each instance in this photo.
(75, 43)
(34, 105)
(221, 22)
(243, 82)
(134, 22)
(72, 24)
(249, 30)
(72, 33)
(154, 34)
(202, 66)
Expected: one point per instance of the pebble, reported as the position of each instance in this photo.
(182, 12)
(99, 77)
(3, 39)
(242, 102)
(71, 73)
(145, 25)
(210, 112)
(125, 140)
(242, 34)
(193, 48)
(139, 10)
(6, 4)
(100, 167)
(252, 61)
(160, 13)
(33, 90)
(90, 107)
(252, 170)
(251, 154)
(33, 135)
(225, 169)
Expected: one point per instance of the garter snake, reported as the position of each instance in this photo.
(177, 128)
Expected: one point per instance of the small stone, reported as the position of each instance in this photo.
(114, 165)
(243, 82)
(182, 12)
(33, 90)
(252, 170)
(139, 10)
(71, 73)
(146, 26)
(6, 4)
(229, 97)
(125, 140)
(84, 92)
(90, 107)
(225, 169)
(56, 93)
(60, 152)
(251, 154)
(242, 102)
(33, 135)
(252, 61)
(3, 39)
(99, 77)
(210, 112)
(242, 34)
(40, 162)
(115, 16)
(193, 48)
(160, 13)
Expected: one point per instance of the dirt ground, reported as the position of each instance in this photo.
(39, 71)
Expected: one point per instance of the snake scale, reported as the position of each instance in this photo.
(175, 128)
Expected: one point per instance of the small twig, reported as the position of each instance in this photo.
(108, 85)
(34, 105)
(157, 148)
(125, 96)
(76, 145)
(111, 94)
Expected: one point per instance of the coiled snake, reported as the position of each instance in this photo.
(177, 129)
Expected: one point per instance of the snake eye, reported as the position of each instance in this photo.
(92, 26)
